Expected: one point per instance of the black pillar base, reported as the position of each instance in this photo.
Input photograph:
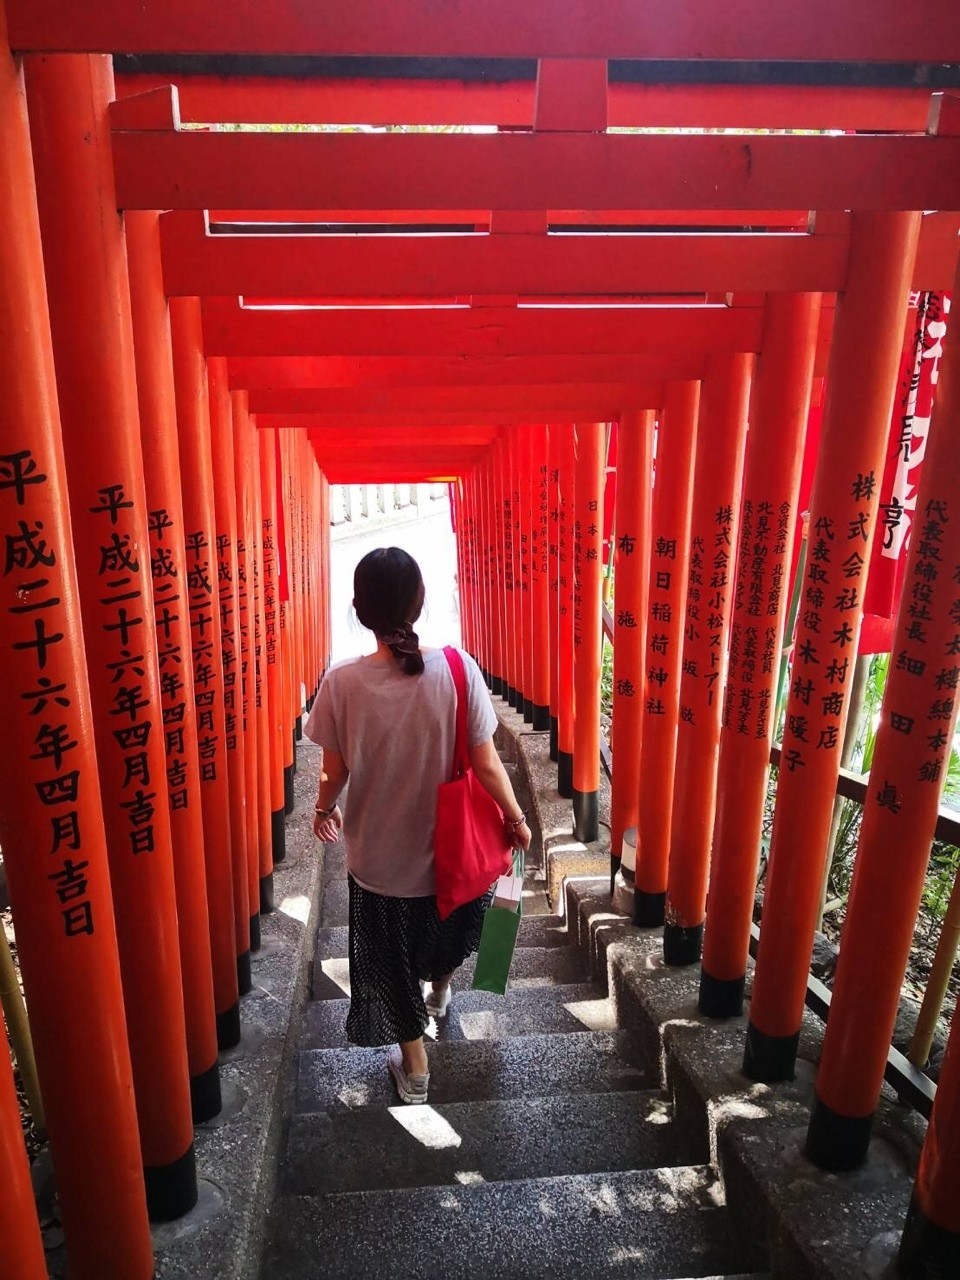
(298, 729)
(205, 1099)
(528, 711)
(255, 939)
(288, 788)
(649, 909)
(511, 695)
(486, 675)
(244, 974)
(554, 738)
(266, 894)
(295, 766)
(927, 1251)
(682, 946)
(309, 704)
(171, 1188)
(837, 1143)
(721, 997)
(278, 833)
(769, 1058)
(565, 774)
(541, 718)
(496, 686)
(228, 1028)
(586, 815)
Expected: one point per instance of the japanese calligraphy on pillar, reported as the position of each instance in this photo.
(32, 565)
(200, 569)
(754, 655)
(269, 588)
(663, 606)
(123, 601)
(931, 662)
(226, 598)
(175, 686)
(830, 616)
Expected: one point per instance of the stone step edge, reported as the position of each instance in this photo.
(704, 1174)
(755, 1133)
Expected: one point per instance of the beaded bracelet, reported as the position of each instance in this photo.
(516, 822)
(324, 813)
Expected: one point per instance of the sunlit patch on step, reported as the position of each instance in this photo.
(428, 1127)
(338, 971)
(596, 1015)
(297, 907)
(469, 1177)
(659, 1113)
(355, 1095)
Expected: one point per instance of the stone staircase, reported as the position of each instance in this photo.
(547, 1148)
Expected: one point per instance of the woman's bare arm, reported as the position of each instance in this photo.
(488, 767)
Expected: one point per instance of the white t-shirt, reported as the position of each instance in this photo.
(395, 734)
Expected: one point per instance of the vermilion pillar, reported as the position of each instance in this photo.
(931, 1236)
(85, 259)
(494, 577)
(909, 768)
(196, 468)
(587, 635)
(509, 568)
(225, 517)
(861, 382)
(65, 923)
(713, 541)
(553, 575)
(780, 406)
(161, 461)
(631, 560)
(265, 822)
(502, 567)
(284, 622)
(22, 1257)
(668, 569)
(565, 646)
(271, 637)
(540, 586)
(246, 609)
(525, 502)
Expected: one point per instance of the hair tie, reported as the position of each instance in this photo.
(403, 638)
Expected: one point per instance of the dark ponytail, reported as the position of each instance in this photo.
(388, 596)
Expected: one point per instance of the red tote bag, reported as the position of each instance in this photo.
(472, 845)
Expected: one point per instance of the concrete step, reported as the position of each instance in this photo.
(532, 967)
(474, 1071)
(479, 1015)
(647, 1224)
(430, 1146)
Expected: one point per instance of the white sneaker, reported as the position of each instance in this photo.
(410, 1088)
(437, 1004)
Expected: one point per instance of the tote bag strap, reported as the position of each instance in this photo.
(461, 758)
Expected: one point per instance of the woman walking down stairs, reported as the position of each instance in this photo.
(544, 1150)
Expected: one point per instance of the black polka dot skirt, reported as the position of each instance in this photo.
(394, 944)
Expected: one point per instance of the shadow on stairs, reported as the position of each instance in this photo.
(547, 1147)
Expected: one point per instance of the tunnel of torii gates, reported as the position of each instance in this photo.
(276, 311)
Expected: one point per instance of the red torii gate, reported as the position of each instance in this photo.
(475, 374)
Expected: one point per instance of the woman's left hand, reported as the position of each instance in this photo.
(328, 828)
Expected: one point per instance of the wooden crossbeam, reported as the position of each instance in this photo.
(195, 170)
(369, 421)
(476, 331)
(278, 373)
(255, 99)
(385, 266)
(562, 266)
(589, 400)
(829, 30)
